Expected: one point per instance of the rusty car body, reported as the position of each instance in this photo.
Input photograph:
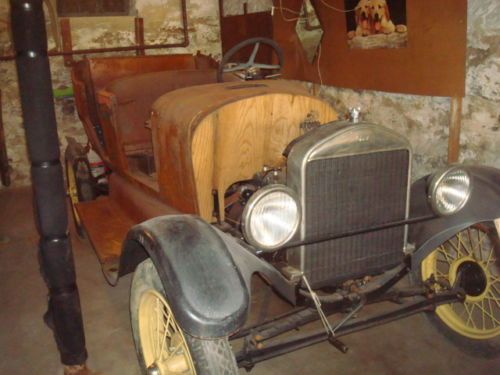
(195, 169)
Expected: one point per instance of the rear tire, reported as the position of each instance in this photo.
(80, 186)
(470, 258)
(194, 356)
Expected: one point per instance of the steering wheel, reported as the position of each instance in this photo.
(251, 68)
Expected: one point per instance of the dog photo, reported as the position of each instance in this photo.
(376, 23)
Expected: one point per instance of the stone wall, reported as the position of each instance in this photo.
(162, 23)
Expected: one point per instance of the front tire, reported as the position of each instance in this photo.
(160, 342)
(469, 259)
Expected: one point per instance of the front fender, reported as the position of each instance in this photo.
(483, 205)
(202, 283)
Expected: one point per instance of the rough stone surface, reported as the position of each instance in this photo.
(162, 20)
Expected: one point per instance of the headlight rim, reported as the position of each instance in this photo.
(254, 199)
(436, 180)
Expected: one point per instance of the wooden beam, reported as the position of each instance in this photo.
(67, 43)
(454, 129)
(139, 35)
(4, 160)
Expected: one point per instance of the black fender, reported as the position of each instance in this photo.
(483, 205)
(202, 283)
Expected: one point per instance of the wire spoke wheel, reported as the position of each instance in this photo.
(72, 191)
(470, 260)
(163, 344)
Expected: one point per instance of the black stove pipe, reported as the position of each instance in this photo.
(55, 255)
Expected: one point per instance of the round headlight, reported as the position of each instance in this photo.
(449, 190)
(271, 217)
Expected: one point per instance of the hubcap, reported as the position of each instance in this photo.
(472, 278)
(153, 370)
(469, 260)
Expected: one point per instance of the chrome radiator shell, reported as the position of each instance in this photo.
(362, 172)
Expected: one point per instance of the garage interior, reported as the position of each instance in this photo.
(448, 109)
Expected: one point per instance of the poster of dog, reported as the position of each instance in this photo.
(376, 23)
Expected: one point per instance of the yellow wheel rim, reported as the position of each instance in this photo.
(72, 191)
(476, 247)
(163, 343)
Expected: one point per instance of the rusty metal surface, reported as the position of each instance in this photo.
(4, 160)
(131, 99)
(91, 75)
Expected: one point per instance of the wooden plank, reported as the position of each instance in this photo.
(4, 160)
(67, 42)
(237, 28)
(139, 35)
(236, 141)
(106, 225)
(454, 129)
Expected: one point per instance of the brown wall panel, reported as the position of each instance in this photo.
(433, 63)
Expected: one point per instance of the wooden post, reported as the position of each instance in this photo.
(139, 35)
(4, 160)
(454, 129)
(67, 43)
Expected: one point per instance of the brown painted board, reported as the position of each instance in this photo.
(433, 63)
(237, 28)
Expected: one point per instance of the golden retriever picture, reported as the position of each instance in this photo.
(363, 17)
(376, 23)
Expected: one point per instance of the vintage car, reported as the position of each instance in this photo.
(207, 183)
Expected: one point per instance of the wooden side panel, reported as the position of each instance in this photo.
(203, 161)
(235, 142)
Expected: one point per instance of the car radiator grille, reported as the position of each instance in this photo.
(351, 193)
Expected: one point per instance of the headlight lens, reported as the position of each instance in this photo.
(271, 217)
(449, 190)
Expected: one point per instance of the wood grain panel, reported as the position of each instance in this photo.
(236, 141)
(204, 139)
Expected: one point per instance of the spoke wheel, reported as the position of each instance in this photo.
(470, 260)
(80, 188)
(163, 344)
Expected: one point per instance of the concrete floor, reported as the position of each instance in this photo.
(405, 347)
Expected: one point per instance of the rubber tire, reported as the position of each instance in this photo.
(489, 348)
(232, 51)
(210, 356)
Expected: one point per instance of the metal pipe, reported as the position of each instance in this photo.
(247, 358)
(55, 254)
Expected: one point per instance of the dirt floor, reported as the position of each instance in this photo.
(410, 346)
